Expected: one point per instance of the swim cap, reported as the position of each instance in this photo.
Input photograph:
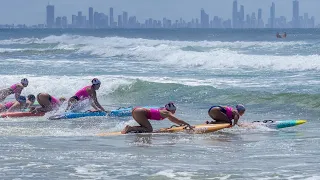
(31, 97)
(62, 99)
(240, 107)
(24, 81)
(22, 99)
(170, 106)
(95, 81)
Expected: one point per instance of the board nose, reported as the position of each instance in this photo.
(301, 122)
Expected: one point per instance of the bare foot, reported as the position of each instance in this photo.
(126, 130)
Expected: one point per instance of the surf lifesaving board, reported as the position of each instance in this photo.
(276, 124)
(120, 112)
(20, 114)
(197, 129)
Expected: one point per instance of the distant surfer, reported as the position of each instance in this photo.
(143, 115)
(284, 35)
(14, 89)
(278, 35)
(87, 92)
(225, 114)
(47, 103)
(13, 106)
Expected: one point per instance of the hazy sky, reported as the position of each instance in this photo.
(34, 11)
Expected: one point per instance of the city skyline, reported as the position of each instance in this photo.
(207, 19)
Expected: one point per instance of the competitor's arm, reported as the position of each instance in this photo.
(18, 92)
(95, 101)
(14, 107)
(95, 106)
(40, 109)
(236, 119)
(174, 119)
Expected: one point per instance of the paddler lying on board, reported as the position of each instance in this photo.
(14, 105)
(14, 89)
(225, 114)
(87, 92)
(143, 115)
(47, 103)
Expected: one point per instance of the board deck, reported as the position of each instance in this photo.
(120, 112)
(197, 129)
(275, 124)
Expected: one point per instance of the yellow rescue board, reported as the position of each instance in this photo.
(197, 129)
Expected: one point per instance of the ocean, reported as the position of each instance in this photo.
(274, 78)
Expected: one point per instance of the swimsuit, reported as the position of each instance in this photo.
(9, 104)
(81, 94)
(227, 111)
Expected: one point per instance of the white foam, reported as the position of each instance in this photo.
(68, 85)
(62, 85)
(169, 173)
(312, 178)
(216, 55)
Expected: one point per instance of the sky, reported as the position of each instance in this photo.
(32, 12)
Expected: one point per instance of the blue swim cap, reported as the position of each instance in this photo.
(240, 107)
(22, 99)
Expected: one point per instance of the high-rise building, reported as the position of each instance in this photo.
(91, 17)
(204, 19)
(96, 20)
(305, 22)
(50, 16)
(125, 19)
(295, 15)
(272, 15)
(259, 13)
(311, 25)
(111, 17)
(282, 21)
(132, 22)
(79, 19)
(253, 20)
(241, 16)
(84, 22)
(235, 14)
(120, 21)
(227, 24)
(64, 22)
(164, 22)
(260, 21)
(248, 21)
(74, 20)
(58, 22)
